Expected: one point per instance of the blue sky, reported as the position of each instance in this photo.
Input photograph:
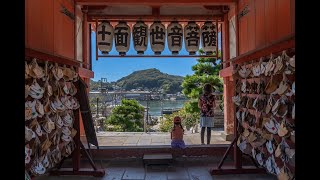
(116, 68)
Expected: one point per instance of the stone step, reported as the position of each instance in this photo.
(157, 159)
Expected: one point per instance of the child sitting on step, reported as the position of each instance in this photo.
(177, 134)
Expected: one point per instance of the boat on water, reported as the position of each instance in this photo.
(169, 111)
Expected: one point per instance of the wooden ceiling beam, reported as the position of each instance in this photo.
(95, 7)
(151, 18)
(155, 2)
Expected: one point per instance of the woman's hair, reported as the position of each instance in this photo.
(207, 88)
(179, 124)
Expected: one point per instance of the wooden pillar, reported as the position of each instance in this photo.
(82, 131)
(85, 55)
(225, 41)
(236, 151)
(229, 106)
(85, 35)
(228, 83)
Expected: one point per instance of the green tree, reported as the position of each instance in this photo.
(205, 71)
(128, 117)
(166, 124)
(188, 119)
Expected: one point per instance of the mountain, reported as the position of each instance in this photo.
(148, 79)
(151, 79)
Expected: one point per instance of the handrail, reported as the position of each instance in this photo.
(43, 56)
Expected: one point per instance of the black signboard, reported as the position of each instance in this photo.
(86, 114)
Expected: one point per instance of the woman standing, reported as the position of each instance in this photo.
(206, 104)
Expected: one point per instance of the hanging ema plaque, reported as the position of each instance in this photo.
(192, 37)
(140, 37)
(105, 37)
(175, 35)
(122, 37)
(157, 37)
(209, 37)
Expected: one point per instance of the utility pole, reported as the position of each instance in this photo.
(103, 90)
(97, 107)
(161, 101)
(147, 109)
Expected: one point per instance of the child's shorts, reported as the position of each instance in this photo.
(178, 144)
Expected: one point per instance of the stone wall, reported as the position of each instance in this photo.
(219, 116)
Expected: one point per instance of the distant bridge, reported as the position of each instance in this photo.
(124, 92)
(112, 95)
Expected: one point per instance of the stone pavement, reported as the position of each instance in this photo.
(196, 168)
(153, 138)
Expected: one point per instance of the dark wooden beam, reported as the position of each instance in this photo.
(237, 171)
(151, 18)
(32, 53)
(156, 56)
(153, 2)
(213, 7)
(156, 11)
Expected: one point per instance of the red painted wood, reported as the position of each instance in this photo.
(151, 18)
(271, 23)
(63, 31)
(237, 30)
(240, 5)
(251, 26)
(153, 2)
(225, 41)
(39, 28)
(75, 43)
(243, 46)
(293, 16)
(278, 46)
(85, 73)
(26, 13)
(268, 21)
(260, 23)
(283, 18)
(85, 40)
(32, 53)
(226, 72)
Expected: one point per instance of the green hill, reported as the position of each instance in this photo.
(151, 79)
(148, 79)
